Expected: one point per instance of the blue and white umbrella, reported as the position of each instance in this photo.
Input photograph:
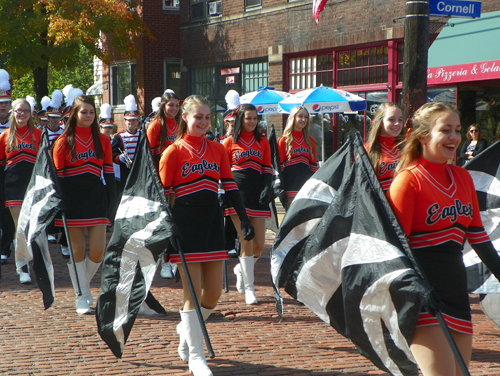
(265, 99)
(324, 99)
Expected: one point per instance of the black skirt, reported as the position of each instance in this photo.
(251, 185)
(86, 201)
(294, 177)
(17, 179)
(201, 230)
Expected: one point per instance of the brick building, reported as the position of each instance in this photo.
(211, 46)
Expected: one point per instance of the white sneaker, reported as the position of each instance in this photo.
(51, 239)
(250, 297)
(64, 251)
(4, 259)
(24, 278)
(239, 279)
(166, 270)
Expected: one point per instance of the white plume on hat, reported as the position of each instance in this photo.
(155, 104)
(4, 80)
(130, 104)
(66, 90)
(72, 94)
(105, 111)
(31, 101)
(169, 91)
(232, 99)
(45, 102)
(57, 97)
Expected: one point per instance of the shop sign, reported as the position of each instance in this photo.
(455, 8)
(485, 70)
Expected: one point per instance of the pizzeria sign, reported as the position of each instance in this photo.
(485, 70)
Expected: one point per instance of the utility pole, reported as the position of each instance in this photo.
(416, 45)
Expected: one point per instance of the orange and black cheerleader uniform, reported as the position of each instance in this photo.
(87, 197)
(388, 161)
(17, 165)
(192, 168)
(300, 165)
(436, 204)
(251, 166)
(154, 133)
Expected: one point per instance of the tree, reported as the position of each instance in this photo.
(39, 33)
(81, 76)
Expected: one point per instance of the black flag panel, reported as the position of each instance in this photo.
(351, 263)
(142, 230)
(41, 204)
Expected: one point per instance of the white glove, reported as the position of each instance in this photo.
(122, 159)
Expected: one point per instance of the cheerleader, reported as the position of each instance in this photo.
(191, 168)
(163, 128)
(382, 146)
(82, 156)
(18, 149)
(437, 207)
(297, 152)
(250, 158)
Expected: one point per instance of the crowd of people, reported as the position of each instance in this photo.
(93, 160)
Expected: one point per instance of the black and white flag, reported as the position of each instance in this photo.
(142, 230)
(342, 252)
(485, 172)
(41, 204)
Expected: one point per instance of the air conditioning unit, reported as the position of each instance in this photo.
(169, 4)
(215, 8)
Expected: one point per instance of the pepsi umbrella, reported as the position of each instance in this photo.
(265, 99)
(324, 99)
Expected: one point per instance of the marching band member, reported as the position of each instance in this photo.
(382, 145)
(7, 224)
(106, 123)
(297, 152)
(18, 149)
(250, 158)
(192, 167)
(162, 131)
(81, 156)
(437, 206)
(124, 143)
(42, 119)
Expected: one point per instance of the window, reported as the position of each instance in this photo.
(202, 81)
(252, 3)
(171, 4)
(311, 71)
(362, 67)
(172, 75)
(254, 75)
(123, 82)
(198, 9)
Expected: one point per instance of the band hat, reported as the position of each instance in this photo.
(5, 95)
(42, 114)
(106, 119)
(130, 108)
(32, 102)
(53, 112)
(53, 109)
(106, 123)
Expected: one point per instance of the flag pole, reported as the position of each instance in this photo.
(226, 285)
(71, 255)
(195, 300)
(453, 345)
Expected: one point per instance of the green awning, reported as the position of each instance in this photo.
(468, 41)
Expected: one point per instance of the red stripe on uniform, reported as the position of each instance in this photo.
(456, 324)
(201, 257)
(83, 222)
(11, 203)
(250, 213)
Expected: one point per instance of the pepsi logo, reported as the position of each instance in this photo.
(316, 107)
(260, 109)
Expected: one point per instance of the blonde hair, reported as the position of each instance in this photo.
(374, 151)
(423, 120)
(287, 132)
(187, 107)
(12, 139)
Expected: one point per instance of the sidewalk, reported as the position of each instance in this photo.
(247, 340)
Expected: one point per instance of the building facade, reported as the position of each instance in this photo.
(244, 44)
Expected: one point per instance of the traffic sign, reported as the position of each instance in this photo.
(455, 8)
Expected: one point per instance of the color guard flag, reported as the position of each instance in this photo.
(142, 230)
(41, 204)
(485, 172)
(342, 252)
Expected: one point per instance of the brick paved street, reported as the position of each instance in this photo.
(247, 340)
